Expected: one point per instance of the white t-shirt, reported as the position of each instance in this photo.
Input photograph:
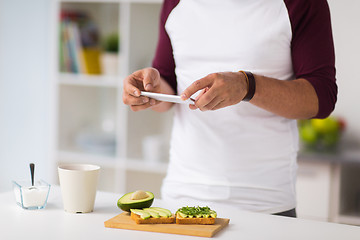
(241, 155)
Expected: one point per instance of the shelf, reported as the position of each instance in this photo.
(67, 156)
(89, 80)
(143, 166)
(88, 106)
(131, 164)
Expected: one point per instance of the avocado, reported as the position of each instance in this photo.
(143, 214)
(182, 215)
(162, 211)
(126, 202)
(153, 213)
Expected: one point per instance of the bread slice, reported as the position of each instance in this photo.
(152, 220)
(204, 221)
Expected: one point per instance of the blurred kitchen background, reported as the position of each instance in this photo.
(61, 70)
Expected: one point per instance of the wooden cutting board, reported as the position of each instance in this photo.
(124, 221)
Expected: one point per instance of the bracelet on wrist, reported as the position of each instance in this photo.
(251, 85)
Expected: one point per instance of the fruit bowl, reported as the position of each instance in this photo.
(321, 134)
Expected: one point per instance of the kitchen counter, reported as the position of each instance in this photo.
(343, 156)
(53, 223)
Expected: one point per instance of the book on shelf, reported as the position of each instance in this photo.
(79, 50)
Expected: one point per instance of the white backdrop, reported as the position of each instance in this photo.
(25, 89)
(346, 30)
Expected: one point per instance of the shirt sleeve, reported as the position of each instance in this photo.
(164, 60)
(312, 50)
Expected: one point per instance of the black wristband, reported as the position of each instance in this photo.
(251, 86)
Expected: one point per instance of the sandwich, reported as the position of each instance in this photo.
(195, 215)
(152, 215)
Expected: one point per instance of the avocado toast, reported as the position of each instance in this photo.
(152, 215)
(195, 215)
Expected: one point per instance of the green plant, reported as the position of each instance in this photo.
(111, 43)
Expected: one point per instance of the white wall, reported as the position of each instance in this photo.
(24, 89)
(346, 30)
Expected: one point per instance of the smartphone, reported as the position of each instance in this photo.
(167, 97)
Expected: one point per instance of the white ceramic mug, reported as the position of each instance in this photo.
(78, 183)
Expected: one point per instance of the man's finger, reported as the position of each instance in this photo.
(193, 107)
(212, 104)
(221, 104)
(140, 107)
(207, 101)
(205, 97)
(149, 104)
(131, 90)
(196, 86)
(131, 100)
(202, 93)
(149, 80)
(130, 86)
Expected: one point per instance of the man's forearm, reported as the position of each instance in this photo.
(295, 99)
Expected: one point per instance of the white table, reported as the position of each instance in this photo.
(53, 223)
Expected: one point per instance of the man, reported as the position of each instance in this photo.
(254, 67)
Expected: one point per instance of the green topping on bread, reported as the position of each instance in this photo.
(196, 212)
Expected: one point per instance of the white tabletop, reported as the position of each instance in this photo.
(53, 223)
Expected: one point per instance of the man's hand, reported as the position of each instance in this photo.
(219, 90)
(147, 79)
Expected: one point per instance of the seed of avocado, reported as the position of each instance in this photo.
(138, 195)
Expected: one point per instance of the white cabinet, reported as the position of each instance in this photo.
(92, 123)
(328, 188)
(314, 190)
(349, 190)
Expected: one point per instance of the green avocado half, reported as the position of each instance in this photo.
(125, 203)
